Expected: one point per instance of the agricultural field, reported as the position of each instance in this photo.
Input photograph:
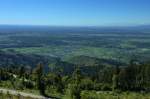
(119, 44)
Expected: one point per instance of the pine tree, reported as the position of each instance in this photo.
(39, 78)
(115, 78)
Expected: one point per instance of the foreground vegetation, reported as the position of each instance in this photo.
(131, 82)
(113, 95)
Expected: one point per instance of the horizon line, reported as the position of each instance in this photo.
(74, 25)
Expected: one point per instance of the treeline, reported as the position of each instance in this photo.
(134, 77)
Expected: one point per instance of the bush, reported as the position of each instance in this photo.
(28, 84)
(74, 91)
(98, 86)
(87, 84)
(89, 95)
(106, 87)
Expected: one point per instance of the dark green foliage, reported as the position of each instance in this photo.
(74, 87)
(55, 80)
(115, 78)
(38, 72)
(77, 76)
(4, 74)
(28, 84)
(22, 72)
(115, 82)
(134, 77)
(87, 84)
(106, 87)
(22, 60)
(74, 90)
(105, 75)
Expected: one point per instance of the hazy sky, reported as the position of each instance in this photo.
(75, 12)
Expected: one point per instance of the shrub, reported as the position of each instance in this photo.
(74, 91)
(98, 86)
(106, 87)
(87, 84)
(29, 84)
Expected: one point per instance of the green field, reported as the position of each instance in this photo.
(117, 46)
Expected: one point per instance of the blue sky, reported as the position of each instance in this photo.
(75, 12)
